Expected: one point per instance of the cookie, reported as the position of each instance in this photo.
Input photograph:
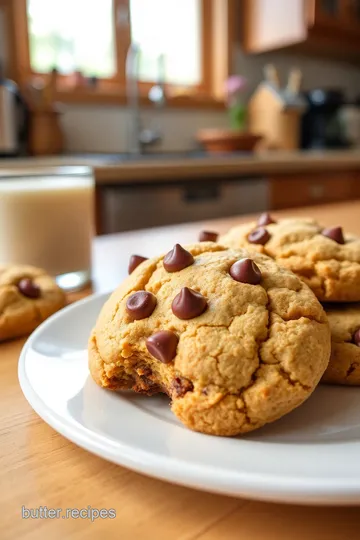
(28, 295)
(344, 366)
(232, 338)
(325, 259)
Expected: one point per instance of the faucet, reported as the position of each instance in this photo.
(140, 138)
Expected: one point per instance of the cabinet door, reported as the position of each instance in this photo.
(330, 12)
(352, 13)
(305, 190)
(340, 16)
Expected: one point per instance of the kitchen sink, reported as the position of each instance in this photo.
(153, 156)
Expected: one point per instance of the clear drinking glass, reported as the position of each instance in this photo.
(47, 220)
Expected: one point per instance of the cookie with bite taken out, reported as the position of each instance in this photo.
(233, 339)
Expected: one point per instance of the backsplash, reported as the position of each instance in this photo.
(105, 128)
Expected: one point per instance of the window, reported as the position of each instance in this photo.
(173, 39)
(60, 36)
(179, 43)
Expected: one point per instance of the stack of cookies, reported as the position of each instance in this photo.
(328, 261)
(237, 333)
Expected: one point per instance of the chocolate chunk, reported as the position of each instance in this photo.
(180, 386)
(265, 219)
(134, 262)
(188, 304)
(141, 304)
(246, 271)
(334, 233)
(177, 259)
(356, 337)
(162, 345)
(208, 236)
(259, 236)
(28, 288)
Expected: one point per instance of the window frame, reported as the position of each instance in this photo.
(217, 41)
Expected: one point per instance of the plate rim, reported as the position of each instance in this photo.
(255, 486)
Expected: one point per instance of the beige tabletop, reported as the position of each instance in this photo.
(38, 467)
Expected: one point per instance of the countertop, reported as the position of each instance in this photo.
(117, 169)
(41, 468)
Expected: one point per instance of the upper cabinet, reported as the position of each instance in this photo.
(328, 27)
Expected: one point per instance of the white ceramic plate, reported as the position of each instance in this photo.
(310, 456)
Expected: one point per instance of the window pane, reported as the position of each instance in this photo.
(71, 35)
(171, 28)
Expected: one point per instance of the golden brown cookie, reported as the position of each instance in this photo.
(235, 342)
(344, 366)
(324, 258)
(28, 295)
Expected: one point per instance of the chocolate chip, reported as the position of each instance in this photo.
(177, 259)
(180, 386)
(141, 304)
(334, 233)
(208, 236)
(265, 219)
(259, 236)
(28, 288)
(188, 304)
(134, 262)
(356, 337)
(162, 345)
(246, 271)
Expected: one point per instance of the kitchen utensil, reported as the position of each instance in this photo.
(271, 75)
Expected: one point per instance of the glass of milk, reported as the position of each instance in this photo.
(47, 220)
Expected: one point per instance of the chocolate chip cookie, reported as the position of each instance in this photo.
(326, 259)
(28, 296)
(232, 338)
(344, 366)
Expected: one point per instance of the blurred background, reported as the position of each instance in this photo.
(201, 108)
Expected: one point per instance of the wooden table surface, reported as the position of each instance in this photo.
(38, 467)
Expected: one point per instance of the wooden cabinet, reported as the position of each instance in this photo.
(327, 27)
(289, 191)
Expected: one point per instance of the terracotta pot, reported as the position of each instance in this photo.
(226, 140)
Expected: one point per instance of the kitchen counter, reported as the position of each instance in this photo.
(41, 468)
(259, 164)
(118, 169)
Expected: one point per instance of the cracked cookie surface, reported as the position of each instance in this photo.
(331, 269)
(28, 296)
(344, 365)
(256, 352)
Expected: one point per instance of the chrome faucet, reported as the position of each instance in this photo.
(139, 137)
